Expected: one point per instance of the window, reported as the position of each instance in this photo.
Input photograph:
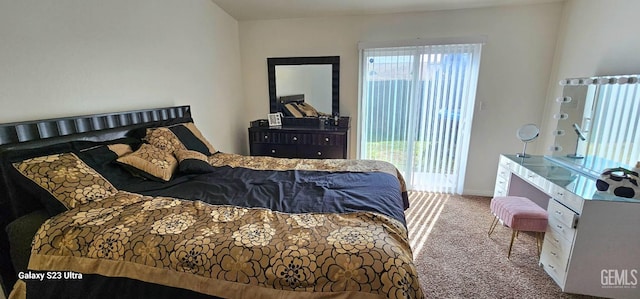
(416, 107)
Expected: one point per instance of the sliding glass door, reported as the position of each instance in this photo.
(416, 108)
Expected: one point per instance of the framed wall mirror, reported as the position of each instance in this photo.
(316, 79)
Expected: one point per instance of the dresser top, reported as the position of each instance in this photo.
(579, 183)
(301, 129)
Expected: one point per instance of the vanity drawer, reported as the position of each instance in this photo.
(507, 163)
(554, 269)
(567, 198)
(556, 256)
(501, 188)
(533, 178)
(503, 172)
(562, 229)
(562, 214)
(557, 246)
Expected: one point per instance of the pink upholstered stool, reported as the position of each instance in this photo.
(520, 214)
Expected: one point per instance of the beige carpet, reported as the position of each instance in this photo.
(456, 259)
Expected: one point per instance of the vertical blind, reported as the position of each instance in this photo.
(614, 134)
(416, 106)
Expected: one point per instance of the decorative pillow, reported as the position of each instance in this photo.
(185, 136)
(120, 149)
(103, 158)
(193, 162)
(150, 162)
(67, 178)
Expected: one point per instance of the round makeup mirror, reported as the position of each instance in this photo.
(526, 134)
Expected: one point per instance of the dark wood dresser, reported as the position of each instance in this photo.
(299, 142)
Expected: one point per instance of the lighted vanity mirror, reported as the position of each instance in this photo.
(317, 78)
(598, 122)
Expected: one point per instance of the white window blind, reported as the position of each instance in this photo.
(614, 131)
(416, 107)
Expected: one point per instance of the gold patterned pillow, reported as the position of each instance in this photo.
(185, 136)
(67, 178)
(151, 162)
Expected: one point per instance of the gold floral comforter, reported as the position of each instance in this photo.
(230, 251)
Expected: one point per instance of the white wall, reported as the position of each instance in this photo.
(514, 72)
(70, 57)
(597, 38)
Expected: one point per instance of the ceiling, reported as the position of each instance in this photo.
(243, 10)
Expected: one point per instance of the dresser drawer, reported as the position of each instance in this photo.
(296, 138)
(329, 139)
(301, 142)
(320, 152)
(266, 137)
(273, 150)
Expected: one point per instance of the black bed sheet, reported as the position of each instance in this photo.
(291, 191)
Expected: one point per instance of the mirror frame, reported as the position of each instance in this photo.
(334, 61)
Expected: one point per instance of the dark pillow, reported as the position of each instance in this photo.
(185, 136)
(20, 233)
(193, 162)
(103, 160)
(150, 162)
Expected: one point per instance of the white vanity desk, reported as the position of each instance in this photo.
(592, 243)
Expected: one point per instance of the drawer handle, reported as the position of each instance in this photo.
(295, 138)
(559, 226)
(558, 212)
(556, 240)
(552, 267)
(560, 193)
(553, 253)
(319, 153)
(266, 136)
(326, 139)
(273, 151)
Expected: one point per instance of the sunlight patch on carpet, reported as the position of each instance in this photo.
(423, 214)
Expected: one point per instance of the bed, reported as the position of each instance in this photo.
(138, 204)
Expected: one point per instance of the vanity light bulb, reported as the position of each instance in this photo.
(623, 80)
(561, 116)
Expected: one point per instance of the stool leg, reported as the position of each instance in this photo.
(513, 236)
(493, 225)
(539, 238)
